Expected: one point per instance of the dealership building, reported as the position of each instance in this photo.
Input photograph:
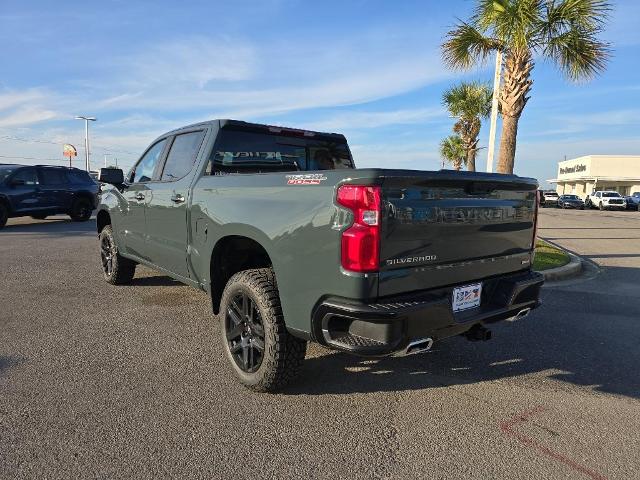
(585, 175)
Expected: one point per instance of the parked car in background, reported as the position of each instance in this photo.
(570, 201)
(550, 198)
(633, 201)
(42, 190)
(607, 200)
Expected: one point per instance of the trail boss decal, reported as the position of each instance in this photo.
(306, 179)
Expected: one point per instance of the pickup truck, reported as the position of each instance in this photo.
(293, 244)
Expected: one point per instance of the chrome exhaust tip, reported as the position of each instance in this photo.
(417, 346)
(520, 315)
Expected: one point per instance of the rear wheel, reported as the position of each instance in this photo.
(81, 210)
(116, 269)
(4, 215)
(263, 354)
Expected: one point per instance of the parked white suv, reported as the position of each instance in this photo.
(550, 199)
(607, 200)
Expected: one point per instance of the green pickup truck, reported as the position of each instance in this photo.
(294, 244)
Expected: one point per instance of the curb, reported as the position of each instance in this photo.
(571, 269)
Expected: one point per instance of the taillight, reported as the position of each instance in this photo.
(361, 241)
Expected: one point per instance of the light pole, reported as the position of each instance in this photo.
(86, 138)
(494, 111)
(105, 159)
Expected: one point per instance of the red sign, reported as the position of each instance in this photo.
(69, 151)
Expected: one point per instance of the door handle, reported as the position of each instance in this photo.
(139, 196)
(177, 198)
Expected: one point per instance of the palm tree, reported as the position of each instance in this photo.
(564, 31)
(469, 103)
(452, 150)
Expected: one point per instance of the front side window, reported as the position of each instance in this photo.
(182, 155)
(53, 176)
(238, 151)
(143, 171)
(5, 172)
(27, 175)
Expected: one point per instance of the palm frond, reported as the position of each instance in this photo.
(452, 150)
(578, 53)
(466, 46)
(468, 100)
(510, 21)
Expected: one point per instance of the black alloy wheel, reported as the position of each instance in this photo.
(81, 210)
(107, 254)
(245, 332)
(117, 270)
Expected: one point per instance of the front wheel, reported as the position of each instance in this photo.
(116, 269)
(601, 206)
(263, 354)
(81, 210)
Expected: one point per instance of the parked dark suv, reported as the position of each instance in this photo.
(40, 191)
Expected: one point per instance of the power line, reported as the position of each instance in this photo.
(50, 142)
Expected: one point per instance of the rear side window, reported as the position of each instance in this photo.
(53, 176)
(27, 175)
(143, 171)
(78, 177)
(182, 155)
(239, 151)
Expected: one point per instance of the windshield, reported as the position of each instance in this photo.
(610, 194)
(570, 197)
(5, 171)
(551, 194)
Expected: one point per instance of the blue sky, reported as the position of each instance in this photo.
(370, 69)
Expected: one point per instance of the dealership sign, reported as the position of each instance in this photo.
(575, 169)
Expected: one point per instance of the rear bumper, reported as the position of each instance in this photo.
(388, 327)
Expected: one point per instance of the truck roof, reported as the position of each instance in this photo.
(260, 127)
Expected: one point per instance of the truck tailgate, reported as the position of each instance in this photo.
(443, 228)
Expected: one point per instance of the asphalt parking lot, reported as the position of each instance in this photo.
(104, 381)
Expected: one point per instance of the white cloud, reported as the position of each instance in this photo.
(361, 120)
(25, 116)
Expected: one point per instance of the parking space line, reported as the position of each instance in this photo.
(508, 429)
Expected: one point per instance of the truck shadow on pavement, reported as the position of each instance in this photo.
(572, 340)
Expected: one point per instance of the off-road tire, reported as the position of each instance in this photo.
(122, 269)
(283, 353)
(4, 214)
(81, 209)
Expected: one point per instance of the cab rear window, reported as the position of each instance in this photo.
(239, 151)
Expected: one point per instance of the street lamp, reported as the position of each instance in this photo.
(86, 138)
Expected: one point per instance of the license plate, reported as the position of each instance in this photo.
(466, 297)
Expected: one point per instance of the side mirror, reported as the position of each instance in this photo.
(17, 182)
(114, 176)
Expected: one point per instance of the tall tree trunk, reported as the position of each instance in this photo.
(513, 98)
(471, 159)
(507, 144)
